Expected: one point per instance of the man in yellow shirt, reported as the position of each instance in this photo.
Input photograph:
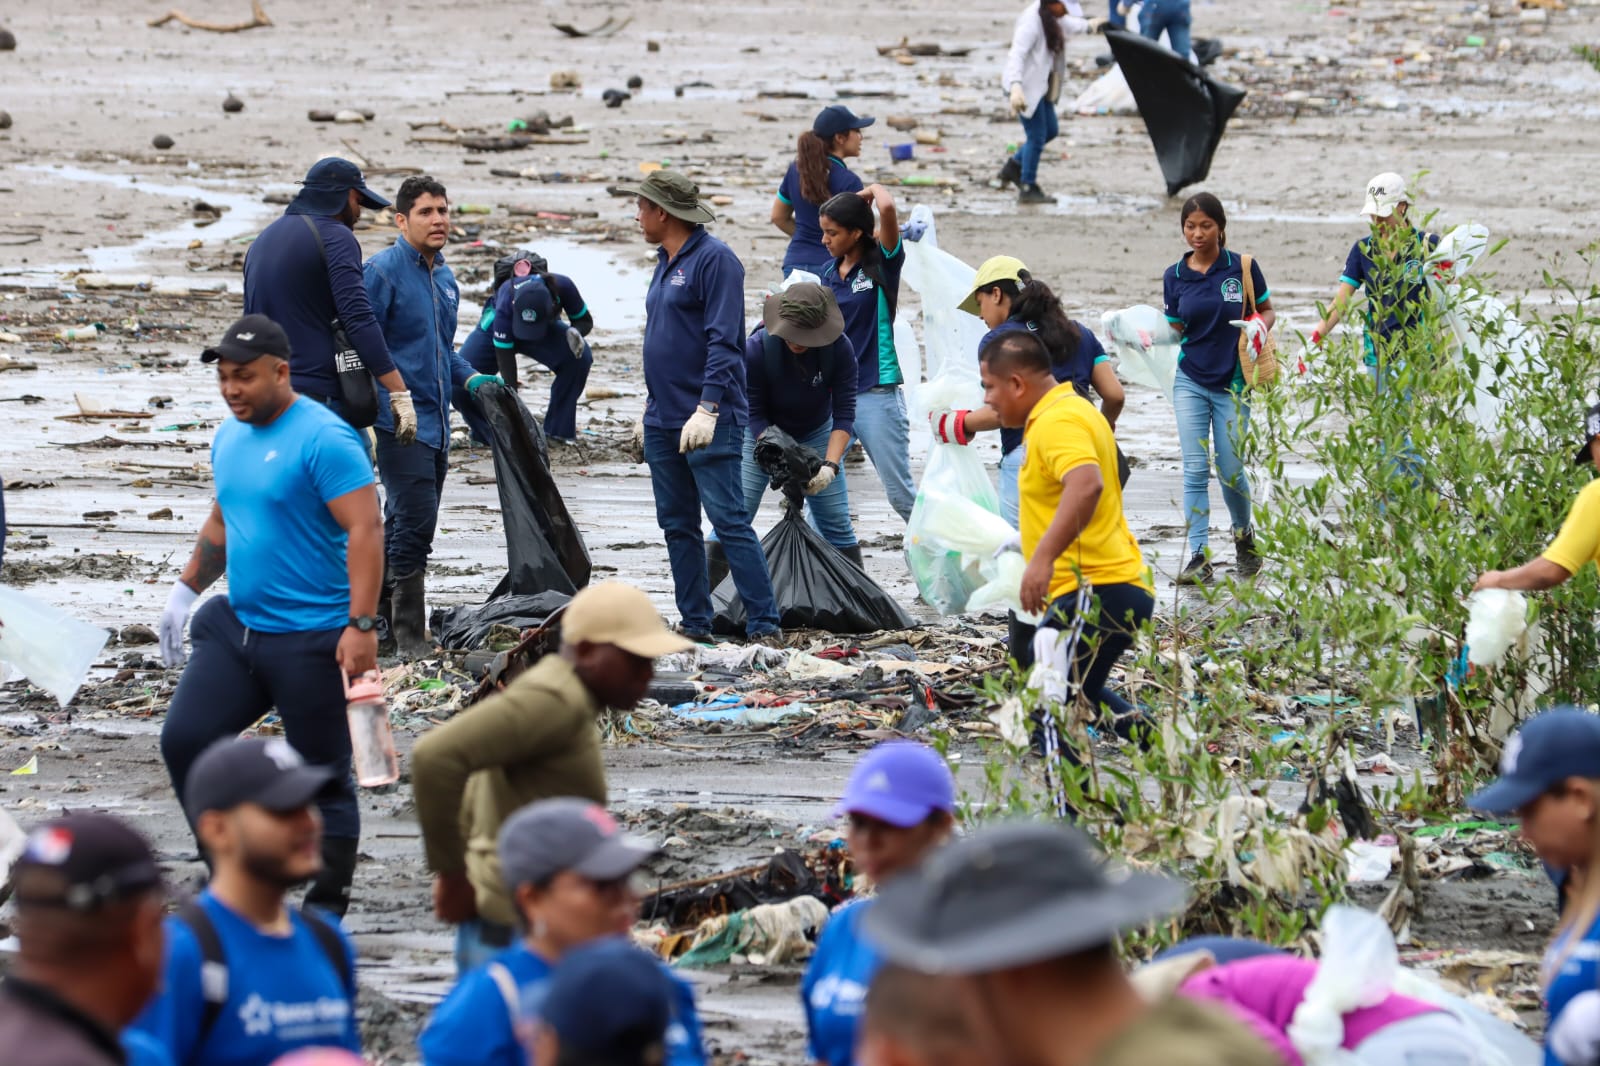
(1578, 542)
(1085, 572)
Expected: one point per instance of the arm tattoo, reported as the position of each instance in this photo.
(210, 562)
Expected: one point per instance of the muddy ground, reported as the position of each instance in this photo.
(103, 513)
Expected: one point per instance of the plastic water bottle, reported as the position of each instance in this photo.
(371, 739)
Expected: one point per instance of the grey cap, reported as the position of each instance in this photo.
(1012, 895)
(547, 837)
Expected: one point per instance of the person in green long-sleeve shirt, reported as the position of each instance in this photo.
(535, 740)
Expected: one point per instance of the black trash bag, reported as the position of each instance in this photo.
(1184, 109)
(544, 549)
(786, 877)
(466, 627)
(1207, 50)
(788, 464)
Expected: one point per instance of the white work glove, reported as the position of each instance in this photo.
(823, 479)
(179, 603)
(636, 441)
(1019, 103)
(405, 417)
(1096, 24)
(1012, 543)
(1254, 328)
(1123, 10)
(698, 431)
(1575, 1036)
(574, 342)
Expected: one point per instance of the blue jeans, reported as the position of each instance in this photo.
(828, 510)
(1207, 421)
(413, 481)
(1010, 497)
(472, 950)
(882, 428)
(1038, 130)
(709, 478)
(1113, 17)
(1406, 464)
(1169, 15)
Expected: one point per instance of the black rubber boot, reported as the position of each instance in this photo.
(410, 625)
(386, 645)
(1246, 560)
(1032, 194)
(330, 890)
(1010, 174)
(853, 553)
(716, 564)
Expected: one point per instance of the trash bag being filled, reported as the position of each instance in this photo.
(815, 587)
(1183, 109)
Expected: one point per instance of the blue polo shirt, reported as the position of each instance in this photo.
(805, 249)
(833, 992)
(474, 1026)
(866, 317)
(1077, 367)
(1204, 304)
(524, 316)
(415, 302)
(810, 390)
(1396, 289)
(694, 334)
(1580, 972)
(287, 568)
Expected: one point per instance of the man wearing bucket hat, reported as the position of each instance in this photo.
(696, 410)
(1578, 543)
(801, 371)
(1026, 917)
(304, 272)
(534, 740)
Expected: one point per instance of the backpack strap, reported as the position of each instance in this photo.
(213, 966)
(332, 945)
(501, 976)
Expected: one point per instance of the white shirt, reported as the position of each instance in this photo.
(1031, 62)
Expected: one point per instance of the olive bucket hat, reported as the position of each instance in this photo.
(805, 314)
(674, 194)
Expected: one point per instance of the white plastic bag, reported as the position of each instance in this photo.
(1496, 620)
(960, 525)
(1358, 969)
(52, 649)
(1156, 367)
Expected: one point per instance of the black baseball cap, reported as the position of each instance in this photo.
(83, 862)
(326, 183)
(265, 771)
(547, 837)
(836, 119)
(609, 1002)
(1591, 430)
(248, 340)
(1008, 896)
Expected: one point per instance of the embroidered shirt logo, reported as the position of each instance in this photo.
(678, 277)
(1232, 291)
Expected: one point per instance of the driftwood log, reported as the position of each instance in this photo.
(258, 17)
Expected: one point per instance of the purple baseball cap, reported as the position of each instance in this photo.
(900, 782)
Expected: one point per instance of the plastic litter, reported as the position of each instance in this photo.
(1156, 368)
(52, 649)
(1497, 619)
(767, 934)
(1368, 861)
(1358, 969)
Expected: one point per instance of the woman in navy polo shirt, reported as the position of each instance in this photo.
(865, 278)
(1204, 297)
(817, 173)
(901, 803)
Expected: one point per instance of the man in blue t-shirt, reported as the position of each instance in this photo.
(297, 530)
(248, 979)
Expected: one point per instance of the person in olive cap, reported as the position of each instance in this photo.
(696, 411)
(1025, 917)
(89, 903)
(304, 272)
(801, 371)
(1578, 543)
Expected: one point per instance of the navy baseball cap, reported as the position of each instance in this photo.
(1560, 743)
(900, 782)
(84, 862)
(265, 771)
(325, 185)
(836, 119)
(609, 1002)
(248, 340)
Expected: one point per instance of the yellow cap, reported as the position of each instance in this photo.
(999, 268)
(614, 613)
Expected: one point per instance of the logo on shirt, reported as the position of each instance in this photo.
(861, 283)
(1232, 291)
(316, 1019)
(840, 995)
(678, 277)
(273, 454)
(452, 295)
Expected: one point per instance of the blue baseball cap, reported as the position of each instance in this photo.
(326, 185)
(609, 1002)
(836, 119)
(900, 782)
(1560, 743)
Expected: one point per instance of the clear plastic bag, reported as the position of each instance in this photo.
(961, 525)
(1155, 367)
(1497, 619)
(52, 649)
(1358, 969)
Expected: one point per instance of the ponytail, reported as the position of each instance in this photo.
(1038, 306)
(1054, 39)
(811, 160)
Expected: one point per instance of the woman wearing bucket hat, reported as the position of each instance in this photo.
(801, 372)
(1007, 297)
(570, 868)
(865, 278)
(1035, 68)
(817, 173)
(1550, 779)
(1578, 543)
(900, 800)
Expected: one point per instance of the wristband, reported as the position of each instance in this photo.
(831, 465)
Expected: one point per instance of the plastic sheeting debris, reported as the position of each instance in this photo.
(1184, 110)
(1155, 367)
(52, 649)
(467, 626)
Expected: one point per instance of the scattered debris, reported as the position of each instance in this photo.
(615, 97)
(258, 17)
(161, 141)
(232, 104)
(566, 80)
(635, 82)
(905, 49)
(5, 120)
(8, 41)
(609, 28)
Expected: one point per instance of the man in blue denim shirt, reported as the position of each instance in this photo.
(695, 413)
(414, 297)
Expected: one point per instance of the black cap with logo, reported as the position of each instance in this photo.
(248, 340)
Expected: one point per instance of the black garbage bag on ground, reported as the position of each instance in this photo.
(1183, 108)
(544, 550)
(785, 877)
(815, 586)
(466, 626)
